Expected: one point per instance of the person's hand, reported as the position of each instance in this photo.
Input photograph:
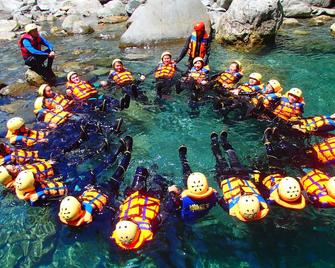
(103, 83)
(142, 77)
(203, 82)
(52, 125)
(33, 197)
(69, 92)
(52, 54)
(174, 189)
(59, 108)
(43, 140)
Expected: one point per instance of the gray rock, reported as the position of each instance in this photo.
(296, 9)
(51, 17)
(321, 3)
(250, 23)
(151, 22)
(50, 5)
(84, 6)
(132, 5)
(33, 78)
(77, 24)
(113, 8)
(113, 19)
(5, 15)
(224, 3)
(8, 25)
(22, 19)
(7, 35)
(60, 13)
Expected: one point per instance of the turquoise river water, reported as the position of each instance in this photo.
(33, 236)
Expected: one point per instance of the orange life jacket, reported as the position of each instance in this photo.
(199, 74)
(29, 137)
(192, 46)
(325, 151)
(272, 182)
(81, 91)
(142, 210)
(233, 188)
(165, 71)
(17, 156)
(42, 169)
(43, 188)
(314, 184)
(228, 79)
(122, 78)
(247, 89)
(316, 123)
(286, 110)
(53, 116)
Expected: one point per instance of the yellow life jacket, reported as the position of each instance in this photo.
(81, 91)
(122, 78)
(42, 170)
(193, 45)
(249, 90)
(199, 74)
(29, 137)
(325, 151)
(49, 189)
(227, 80)
(286, 110)
(269, 98)
(54, 116)
(142, 210)
(233, 188)
(165, 71)
(272, 182)
(19, 156)
(314, 184)
(314, 124)
(59, 100)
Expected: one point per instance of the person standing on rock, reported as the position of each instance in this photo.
(30, 44)
(197, 45)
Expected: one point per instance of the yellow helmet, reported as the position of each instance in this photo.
(42, 88)
(330, 186)
(5, 177)
(70, 208)
(39, 102)
(15, 123)
(275, 85)
(197, 183)
(25, 180)
(69, 75)
(239, 64)
(115, 61)
(256, 76)
(289, 189)
(126, 231)
(165, 53)
(295, 92)
(198, 59)
(29, 27)
(249, 206)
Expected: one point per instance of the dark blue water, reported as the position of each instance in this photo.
(32, 237)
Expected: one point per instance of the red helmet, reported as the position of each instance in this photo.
(199, 26)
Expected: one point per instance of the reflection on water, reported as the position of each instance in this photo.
(34, 237)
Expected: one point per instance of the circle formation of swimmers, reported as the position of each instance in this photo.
(246, 193)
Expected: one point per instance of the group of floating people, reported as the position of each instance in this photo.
(35, 162)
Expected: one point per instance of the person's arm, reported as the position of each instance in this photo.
(47, 44)
(184, 50)
(32, 50)
(208, 48)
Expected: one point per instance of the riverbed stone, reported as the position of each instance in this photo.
(113, 19)
(7, 35)
(290, 22)
(151, 22)
(251, 23)
(34, 78)
(332, 28)
(10, 5)
(316, 11)
(8, 25)
(77, 24)
(132, 5)
(296, 9)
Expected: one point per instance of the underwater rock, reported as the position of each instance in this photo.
(151, 22)
(316, 22)
(332, 28)
(301, 32)
(250, 23)
(100, 71)
(113, 19)
(290, 22)
(34, 78)
(296, 9)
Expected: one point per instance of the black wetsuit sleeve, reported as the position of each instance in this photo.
(184, 50)
(173, 203)
(223, 204)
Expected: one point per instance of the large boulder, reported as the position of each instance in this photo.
(10, 5)
(79, 24)
(8, 25)
(113, 8)
(296, 9)
(7, 35)
(160, 20)
(250, 23)
(84, 7)
(321, 3)
(34, 78)
(332, 29)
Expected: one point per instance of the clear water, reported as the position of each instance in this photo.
(32, 237)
